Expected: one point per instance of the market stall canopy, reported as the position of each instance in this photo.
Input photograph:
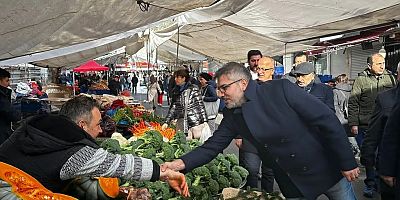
(90, 66)
(226, 30)
(276, 27)
(29, 27)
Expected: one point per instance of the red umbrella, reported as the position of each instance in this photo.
(90, 66)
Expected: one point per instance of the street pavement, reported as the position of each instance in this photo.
(162, 111)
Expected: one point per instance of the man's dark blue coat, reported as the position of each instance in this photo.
(302, 135)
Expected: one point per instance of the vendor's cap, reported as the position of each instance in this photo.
(304, 68)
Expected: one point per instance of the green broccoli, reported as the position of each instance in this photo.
(146, 153)
(154, 138)
(158, 160)
(167, 152)
(224, 165)
(223, 182)
(214, 170)
(200, 174)
(235, 179)
(111, 145)
(194, 143)
(199, 192)
(232, 158)
(213, 187)
(179, 138)
(185, 148)
(242, 171)
(159, 190)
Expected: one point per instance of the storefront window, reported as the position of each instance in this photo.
(321, 64)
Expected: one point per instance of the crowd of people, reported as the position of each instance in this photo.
(333, 120)
(294, 130)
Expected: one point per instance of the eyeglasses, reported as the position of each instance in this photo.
(264, 69)
(224, 87)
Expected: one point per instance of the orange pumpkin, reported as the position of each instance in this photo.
(25, 186)
(110, 186)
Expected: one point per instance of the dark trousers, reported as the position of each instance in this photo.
(371, 179)
(251, 161)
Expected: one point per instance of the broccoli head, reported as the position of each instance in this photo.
(213, 187)
(111, 145)
(179, 138)
(232, 158)
(214, 170)
(200, 174)
(159, 190)
(223, 182)
(241, 170)
(167, 152)
(235, 179)
(146, 153)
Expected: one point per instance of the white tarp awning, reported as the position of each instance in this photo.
(269, 24)
(28, 27)
(226, 30)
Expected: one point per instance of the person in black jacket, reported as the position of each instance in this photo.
(7, 113)
(389, 157)
(305, 76)
(114, 85)
(310, 156)
(384, 103)
(55, 149)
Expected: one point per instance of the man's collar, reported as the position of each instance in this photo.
(250, 92)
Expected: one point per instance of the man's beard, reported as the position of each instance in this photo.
(236, 104)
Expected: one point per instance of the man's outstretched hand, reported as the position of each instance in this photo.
(176, 180)
(176, 165)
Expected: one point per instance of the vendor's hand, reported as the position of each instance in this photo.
(176, 181)
(351, 175)
(176, 165)
(239, 142)
(389, 180)
(354, 130)
(164, 126)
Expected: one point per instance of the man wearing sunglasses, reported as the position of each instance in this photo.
(295, 133)
(305, 78)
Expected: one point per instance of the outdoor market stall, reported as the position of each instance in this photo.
(90, 66)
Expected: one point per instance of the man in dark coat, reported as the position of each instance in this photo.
(389, 159)
(310, 156)
(305, 78)
(7, 113)
(383, 106)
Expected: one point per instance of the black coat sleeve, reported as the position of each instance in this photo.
(212, 147)
(390, 151)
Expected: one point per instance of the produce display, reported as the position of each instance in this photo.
(146, 138)
(205, 182)
(102, 85)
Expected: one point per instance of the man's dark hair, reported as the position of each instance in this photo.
(206, 76)
(300, 54)
(253, 53)
(182, 73)
(4, 74)
(234, 71)
(78, 108)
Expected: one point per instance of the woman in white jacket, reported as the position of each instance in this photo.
(153, 90)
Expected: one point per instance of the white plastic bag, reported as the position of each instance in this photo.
(201, 132)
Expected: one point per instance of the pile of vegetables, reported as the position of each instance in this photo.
(205, 182)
